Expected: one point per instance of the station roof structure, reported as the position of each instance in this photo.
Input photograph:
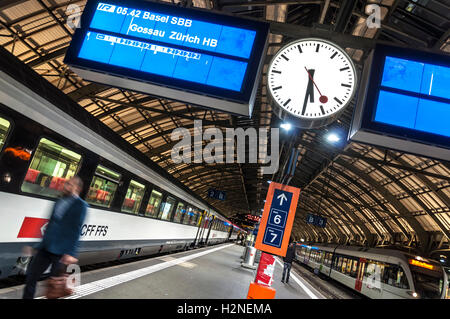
(369, 195)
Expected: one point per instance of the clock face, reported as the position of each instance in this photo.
(312, 79)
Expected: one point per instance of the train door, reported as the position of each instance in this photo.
(200, 222)
(230, 232)
(202, 228)
(205, 224)
(360, 274)
(205, 228)
(210, 225)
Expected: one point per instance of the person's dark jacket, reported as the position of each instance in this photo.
(62, 236)
(290, 254)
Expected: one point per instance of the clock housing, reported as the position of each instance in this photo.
(311, 81)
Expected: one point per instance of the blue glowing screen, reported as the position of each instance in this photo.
(415, 95)
(170, 46)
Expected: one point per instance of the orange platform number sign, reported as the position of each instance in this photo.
(277, 219)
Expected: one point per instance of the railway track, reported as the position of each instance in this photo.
(328, 287)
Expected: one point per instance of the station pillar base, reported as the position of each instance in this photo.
(257, 291)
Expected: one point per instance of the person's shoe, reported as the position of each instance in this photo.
(282, 281)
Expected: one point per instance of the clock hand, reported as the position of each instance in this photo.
(309, 93)
(323, 98)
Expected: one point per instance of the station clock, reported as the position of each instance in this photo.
(311, 81)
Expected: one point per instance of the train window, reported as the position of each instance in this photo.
(179, 213)
(395, 276)
(348, 270)
(337, 260)
(317, 257)
(208, 221)
(103, 187)
(344, 265)
(51, 166)
(189, 215)
(165, 212)
(199, 220)
(302, 251)
(375, 268)
(153, 204)
(4, 130)
(428, 283)
(402, 280)
(328, 259)
(195, 218)
(354, 269)
(133, 197)
(370, 269)
(339, 265)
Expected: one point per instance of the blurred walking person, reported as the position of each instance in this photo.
(288, 259)
(59, 246)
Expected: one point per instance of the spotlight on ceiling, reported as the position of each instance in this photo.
(333, 138)
(286, 126)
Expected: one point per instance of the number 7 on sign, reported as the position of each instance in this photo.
(274, 236)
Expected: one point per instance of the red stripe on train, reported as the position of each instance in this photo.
(32, 227)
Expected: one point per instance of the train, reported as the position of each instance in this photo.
(442, 255)
(377, 273)
(134, 210)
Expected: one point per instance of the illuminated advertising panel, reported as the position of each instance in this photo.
(404, 102)
(184, 54)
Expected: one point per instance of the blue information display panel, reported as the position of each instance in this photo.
(169, 46)
(415, 95)
(216, 194)
(276, 221)
(316, 220)
(404, 102)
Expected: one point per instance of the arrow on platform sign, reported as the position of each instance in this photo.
(281, 198)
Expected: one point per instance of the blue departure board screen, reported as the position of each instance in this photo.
(173, 46)
(404, 101)
(164, 60)
(415, 95)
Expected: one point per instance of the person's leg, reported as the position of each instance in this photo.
(57, 267)
(288, 272)
(37, 267)
(284, 272)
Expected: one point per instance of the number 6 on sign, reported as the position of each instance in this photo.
(277, 219)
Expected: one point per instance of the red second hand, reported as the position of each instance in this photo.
(323, 98)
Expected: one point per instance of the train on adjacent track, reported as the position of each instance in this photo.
(377, 273)
(134, 210)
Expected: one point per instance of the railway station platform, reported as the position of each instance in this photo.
(213, 272)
